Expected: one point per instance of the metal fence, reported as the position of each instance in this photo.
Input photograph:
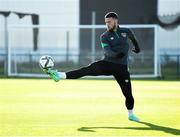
(170, 65)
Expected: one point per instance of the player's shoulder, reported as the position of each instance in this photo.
(125, 29)
(128, 31)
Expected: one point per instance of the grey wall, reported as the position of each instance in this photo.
(130, 11)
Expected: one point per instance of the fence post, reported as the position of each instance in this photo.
(93, 35)
(178, 66)
(67, 46)
(6, 47)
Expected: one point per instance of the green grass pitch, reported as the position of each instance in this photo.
(87, 108)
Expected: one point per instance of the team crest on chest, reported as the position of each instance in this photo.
(111, 38)
(123, 34)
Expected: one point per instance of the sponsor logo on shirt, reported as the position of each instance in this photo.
(123, 34)
(112, 38)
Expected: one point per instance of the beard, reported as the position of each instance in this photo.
(113, 28)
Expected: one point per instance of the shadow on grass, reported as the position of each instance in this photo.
(151, 126)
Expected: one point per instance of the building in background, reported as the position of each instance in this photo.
(75, 41)
(51, 13)
(75, 12)
(169, 40)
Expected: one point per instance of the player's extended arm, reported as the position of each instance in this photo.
(136, 48)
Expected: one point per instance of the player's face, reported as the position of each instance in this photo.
(111, 24)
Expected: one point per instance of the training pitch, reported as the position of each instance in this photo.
(87, 108)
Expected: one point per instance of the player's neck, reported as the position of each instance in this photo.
(115, 29)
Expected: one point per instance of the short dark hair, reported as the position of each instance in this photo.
(111, 15)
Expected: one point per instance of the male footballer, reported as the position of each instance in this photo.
(114, 42)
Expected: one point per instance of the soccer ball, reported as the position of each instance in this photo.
(46, 62)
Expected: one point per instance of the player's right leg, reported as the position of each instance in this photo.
(94, 69)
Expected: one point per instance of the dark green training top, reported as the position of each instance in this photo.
(115, 45)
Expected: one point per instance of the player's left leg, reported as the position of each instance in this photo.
(123, 79)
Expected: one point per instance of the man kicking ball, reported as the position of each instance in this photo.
(115, 45)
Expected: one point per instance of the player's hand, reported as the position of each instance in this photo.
(136, 50)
